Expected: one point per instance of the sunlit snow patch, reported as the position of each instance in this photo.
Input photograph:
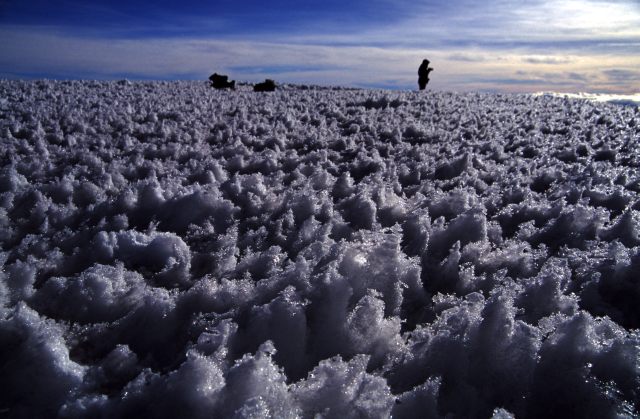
(627, 100)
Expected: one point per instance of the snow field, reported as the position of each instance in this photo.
(170, 250)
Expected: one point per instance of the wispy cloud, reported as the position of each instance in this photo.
(618, 75)
(578, 77)
(466, 58)
(546, 60)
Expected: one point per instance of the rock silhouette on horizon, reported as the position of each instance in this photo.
(219, 81)
(266, 86)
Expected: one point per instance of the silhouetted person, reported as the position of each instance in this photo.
(266, 86)
(423, 74)
(219, 81)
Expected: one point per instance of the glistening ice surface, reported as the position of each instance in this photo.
(174, 251)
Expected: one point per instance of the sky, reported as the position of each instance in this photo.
(492, 45)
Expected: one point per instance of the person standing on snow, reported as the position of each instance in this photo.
(423, 74)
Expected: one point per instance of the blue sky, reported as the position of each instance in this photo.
(493, 45)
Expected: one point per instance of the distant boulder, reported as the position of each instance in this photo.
(220, 81)
(266, 86)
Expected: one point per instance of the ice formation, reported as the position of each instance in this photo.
(173, 251)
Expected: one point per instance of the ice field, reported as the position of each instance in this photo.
(170, 250)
